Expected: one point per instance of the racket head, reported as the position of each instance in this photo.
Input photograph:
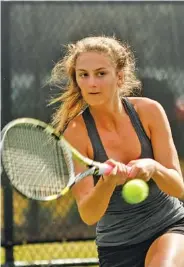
(38, 164)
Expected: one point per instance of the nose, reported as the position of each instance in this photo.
(92, 82)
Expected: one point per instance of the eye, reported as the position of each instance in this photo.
(101, 73)
(83, 75)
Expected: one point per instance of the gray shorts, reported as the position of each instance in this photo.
(134, 255)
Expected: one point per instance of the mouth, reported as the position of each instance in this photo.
(94, 93)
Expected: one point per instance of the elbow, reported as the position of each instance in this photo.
(178, 193)
(87, 215)
(181, 192)
(89, 212)
(89, 222)
(181, 195)
(88, 219)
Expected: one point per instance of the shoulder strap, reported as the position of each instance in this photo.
(98, 149)
(134, 117)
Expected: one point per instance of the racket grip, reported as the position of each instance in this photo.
(105, 169)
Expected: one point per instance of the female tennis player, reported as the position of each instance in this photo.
(106, 123)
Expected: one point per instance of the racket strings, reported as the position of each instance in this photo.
(35, 162)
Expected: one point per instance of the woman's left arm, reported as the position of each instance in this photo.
(165, 168)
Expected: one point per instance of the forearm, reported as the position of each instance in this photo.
(169, 181)
(94, 204)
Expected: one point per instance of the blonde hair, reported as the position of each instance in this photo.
(72, 102)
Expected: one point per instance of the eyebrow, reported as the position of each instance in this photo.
(102, 68)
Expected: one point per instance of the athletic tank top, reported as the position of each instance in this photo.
(123, 223)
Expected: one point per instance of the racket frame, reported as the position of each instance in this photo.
(94, 167)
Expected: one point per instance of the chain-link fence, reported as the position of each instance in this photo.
(33, 38)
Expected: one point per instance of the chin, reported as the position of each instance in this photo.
(95, 103)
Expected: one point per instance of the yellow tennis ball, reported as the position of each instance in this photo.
(135, 191)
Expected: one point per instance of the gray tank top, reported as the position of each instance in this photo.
(126, 224)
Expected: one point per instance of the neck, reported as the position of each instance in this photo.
(108, 116)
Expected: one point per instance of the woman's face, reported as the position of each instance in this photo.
(97, 78)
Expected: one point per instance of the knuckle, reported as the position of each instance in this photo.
(111, 162)
(138, 167)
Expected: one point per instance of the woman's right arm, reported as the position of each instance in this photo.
(92, 201)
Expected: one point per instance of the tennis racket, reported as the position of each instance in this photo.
(39, 162)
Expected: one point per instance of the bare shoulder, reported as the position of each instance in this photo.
(76, 134)
(142, 103)
(151, 114)
(147, 108)
(74, 125)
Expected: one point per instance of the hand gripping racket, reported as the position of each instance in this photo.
(39, 162)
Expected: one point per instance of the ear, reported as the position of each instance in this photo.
(120, 76)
